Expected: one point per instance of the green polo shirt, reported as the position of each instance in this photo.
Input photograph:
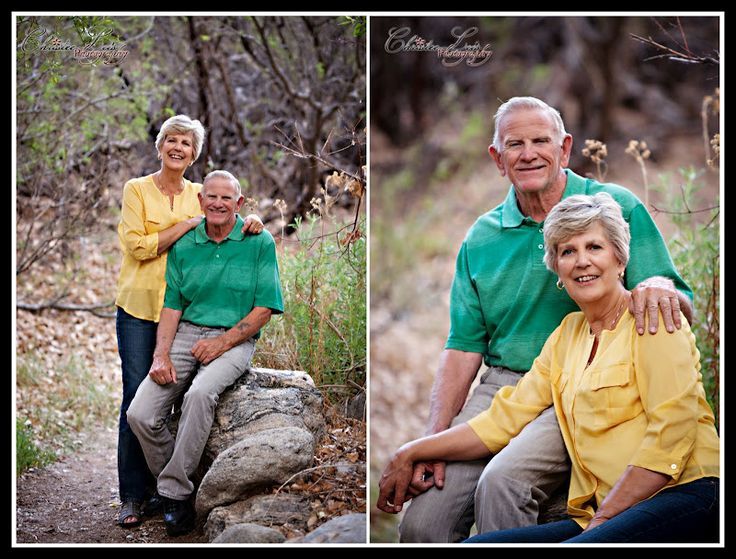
(218, 284)
(504, 302)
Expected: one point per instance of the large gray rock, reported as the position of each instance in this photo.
(350, 528)
(265, 399)
(283, 509)
(249, 533)
(255, 462)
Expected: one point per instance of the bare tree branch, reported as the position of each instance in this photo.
(675, 55)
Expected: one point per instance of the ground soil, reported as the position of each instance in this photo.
(75, 501)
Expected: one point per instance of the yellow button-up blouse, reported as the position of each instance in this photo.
(145, 212)
(640, 402)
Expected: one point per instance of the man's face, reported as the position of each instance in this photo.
(219, 201)
(532, 155)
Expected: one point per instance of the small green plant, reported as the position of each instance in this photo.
(62, 402)
(27, 453)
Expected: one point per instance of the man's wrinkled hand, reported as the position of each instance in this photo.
(653, 295)
(162, 370)
(206, 351)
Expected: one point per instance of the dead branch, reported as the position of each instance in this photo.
(55, 304)
(673, 54)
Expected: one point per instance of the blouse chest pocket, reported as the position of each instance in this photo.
(156, 221)
(613, 394)
(616, 375)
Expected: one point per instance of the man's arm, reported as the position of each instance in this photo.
(162, 369)
(208, 350)
(455, 374)
(450, 390)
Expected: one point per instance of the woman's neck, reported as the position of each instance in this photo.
(169, 182)
(604, 314)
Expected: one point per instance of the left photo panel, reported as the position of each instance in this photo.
(190, 279)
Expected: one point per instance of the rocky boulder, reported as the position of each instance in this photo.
(350, 528)
(265, 431)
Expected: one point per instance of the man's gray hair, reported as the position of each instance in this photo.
(182, 124)
(223, 175)
(575, 215)
(526, 103)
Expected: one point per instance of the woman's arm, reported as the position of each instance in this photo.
(667, 378)
(635, 485)
(169, 236)
(252, 226)
(458, 443)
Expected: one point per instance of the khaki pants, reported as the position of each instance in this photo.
(502, 493)
(171, 460)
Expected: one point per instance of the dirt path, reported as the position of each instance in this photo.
(76, 501)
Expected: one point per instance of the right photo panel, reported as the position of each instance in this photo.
(545, 243)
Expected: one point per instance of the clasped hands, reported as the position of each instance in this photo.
(403, 479)
(162, 370)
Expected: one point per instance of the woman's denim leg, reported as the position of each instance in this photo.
(553, 532)
(686, 513)
(136, 342)
(682, 514)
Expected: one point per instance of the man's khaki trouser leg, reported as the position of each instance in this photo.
(511, 485)
(174, 461)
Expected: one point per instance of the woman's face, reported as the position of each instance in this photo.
(587, 265)
(177, 151)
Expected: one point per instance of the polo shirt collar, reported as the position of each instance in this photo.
(200, 232)
(511, 214)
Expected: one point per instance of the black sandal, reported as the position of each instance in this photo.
(130, 509)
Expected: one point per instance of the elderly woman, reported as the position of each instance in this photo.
(157, 210)
(632, 409)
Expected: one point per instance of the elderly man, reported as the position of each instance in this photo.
(504, 304)
(221, 288)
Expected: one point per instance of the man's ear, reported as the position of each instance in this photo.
(497, 158)
(566, 150)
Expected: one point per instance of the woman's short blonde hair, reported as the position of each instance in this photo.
(575, 215)
(182, 124)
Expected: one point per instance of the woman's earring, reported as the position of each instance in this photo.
(560, 285)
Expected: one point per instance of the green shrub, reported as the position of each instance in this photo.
(695, 249)
(323, 328)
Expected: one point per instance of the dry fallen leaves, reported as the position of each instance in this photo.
(336, 484)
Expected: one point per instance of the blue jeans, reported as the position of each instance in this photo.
(136, 342)
(682, 514)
